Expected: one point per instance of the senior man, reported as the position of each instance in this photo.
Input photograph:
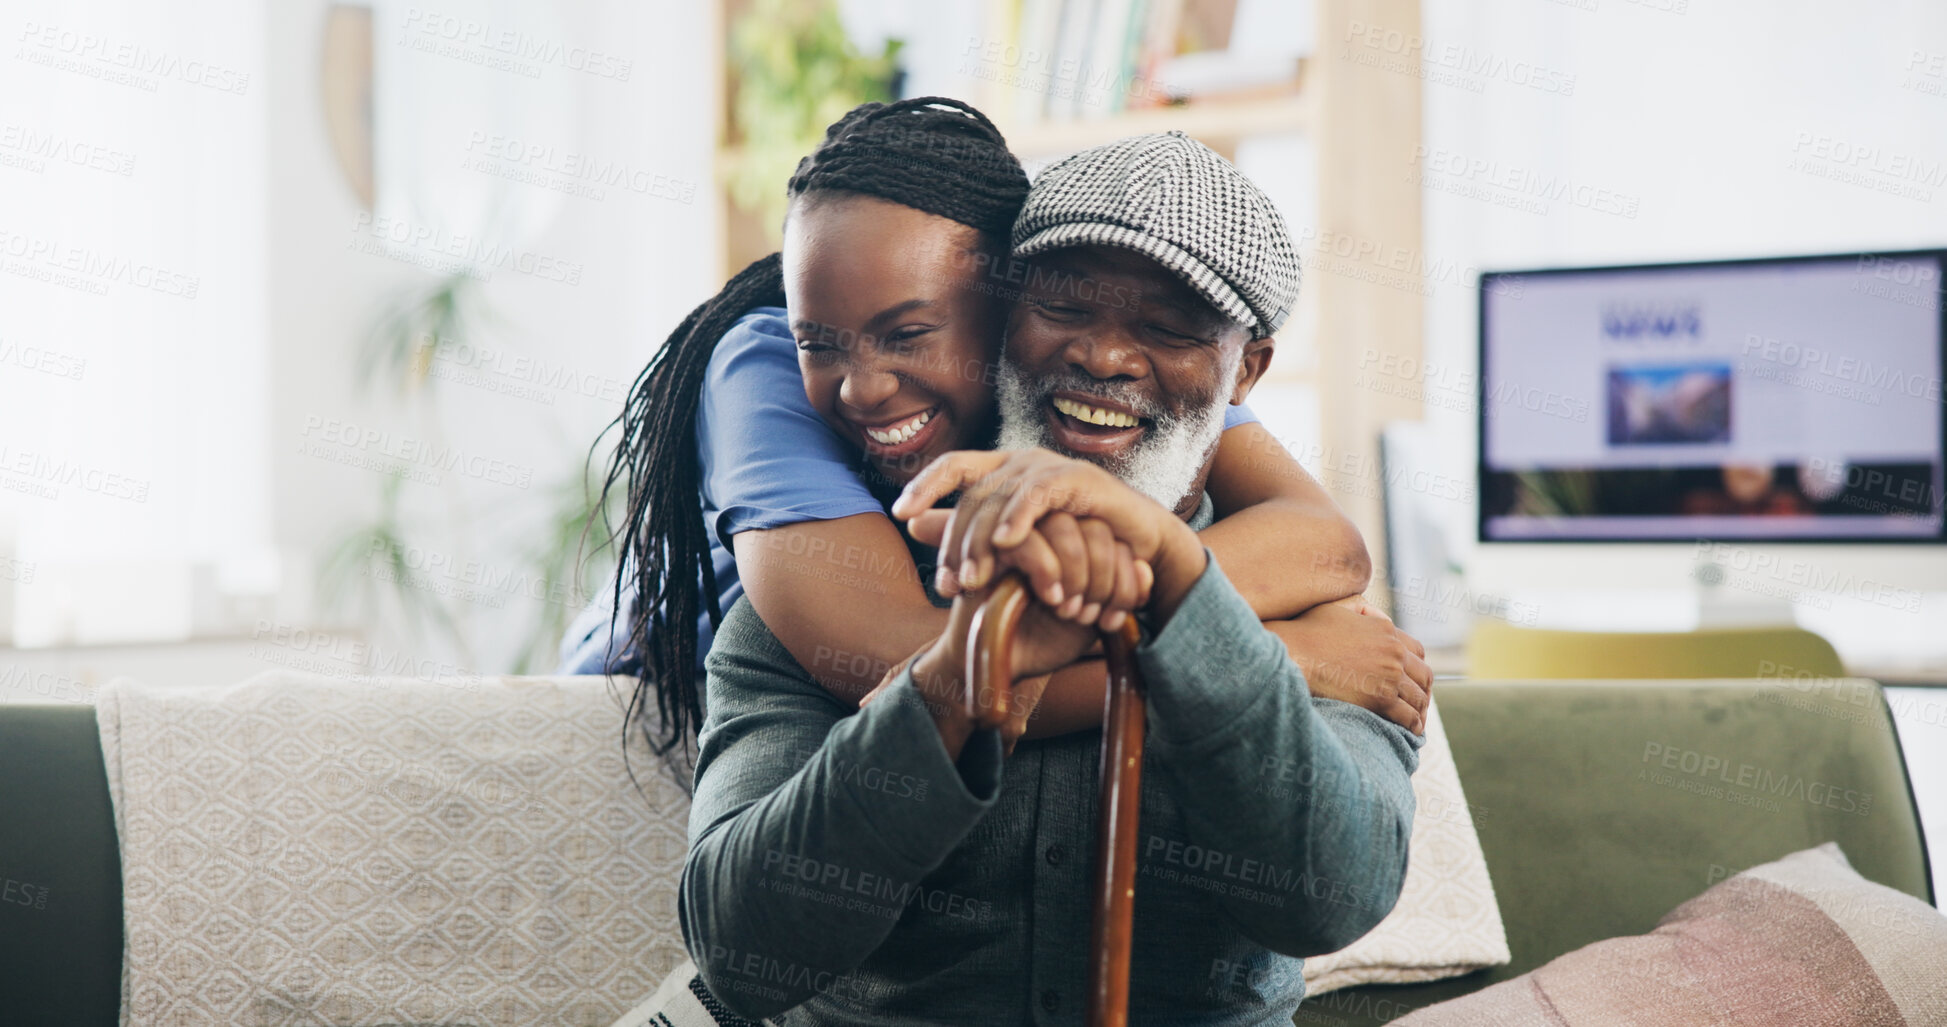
(893, 866)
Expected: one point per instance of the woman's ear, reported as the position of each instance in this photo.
(1256, 361)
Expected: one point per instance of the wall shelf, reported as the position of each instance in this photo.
(1217, 123)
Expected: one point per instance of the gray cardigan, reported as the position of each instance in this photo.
(842, 868)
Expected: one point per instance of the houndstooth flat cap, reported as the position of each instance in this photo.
(1174, 200)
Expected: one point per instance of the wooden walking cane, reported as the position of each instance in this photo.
(990, 680)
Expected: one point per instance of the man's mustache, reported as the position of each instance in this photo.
(1124, 394)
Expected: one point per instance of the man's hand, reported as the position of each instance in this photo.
(1102, 580)
(1027, 695)
(1351, 651)
(1007, 494)
(1099, 566)
(886, 681)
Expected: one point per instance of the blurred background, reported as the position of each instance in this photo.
(311, 311)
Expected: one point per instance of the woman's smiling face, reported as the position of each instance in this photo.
(896, 335)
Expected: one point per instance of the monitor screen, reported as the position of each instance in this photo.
(1791, 399)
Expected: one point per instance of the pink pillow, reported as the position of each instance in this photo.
(1802, 942)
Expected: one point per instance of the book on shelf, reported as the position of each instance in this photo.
(1085, 59)
(1070, 47)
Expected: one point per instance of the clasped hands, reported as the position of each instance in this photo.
(1093, 551)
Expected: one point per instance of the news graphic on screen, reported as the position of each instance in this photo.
(1669, 403)
(1787, 399)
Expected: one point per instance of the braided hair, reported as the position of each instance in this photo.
(937, 155)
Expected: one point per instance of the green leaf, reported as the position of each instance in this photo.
(797, 72)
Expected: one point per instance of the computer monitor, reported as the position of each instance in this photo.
(1788, 399)
(1764, 435)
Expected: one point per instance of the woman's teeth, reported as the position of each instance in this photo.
(1095, 415)
(900, 432)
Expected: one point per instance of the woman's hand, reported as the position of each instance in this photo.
(1350, 651)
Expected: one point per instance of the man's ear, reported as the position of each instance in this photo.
(1256, 361)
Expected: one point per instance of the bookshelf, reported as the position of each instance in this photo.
(1219, 124)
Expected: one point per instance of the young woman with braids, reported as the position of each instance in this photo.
(760, 455)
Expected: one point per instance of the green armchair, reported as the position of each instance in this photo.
(1603, 805)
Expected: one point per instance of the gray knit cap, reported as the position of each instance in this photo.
(1176, 201)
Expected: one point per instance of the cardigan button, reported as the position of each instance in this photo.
(1055, 855)
(1051, 1000)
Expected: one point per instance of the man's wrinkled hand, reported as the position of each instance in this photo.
(886, 681)
(1027, 695)
(1102, 581)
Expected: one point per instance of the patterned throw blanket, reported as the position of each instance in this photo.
(311, 850)
(1446, 922)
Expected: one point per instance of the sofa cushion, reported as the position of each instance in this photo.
(1803, 941)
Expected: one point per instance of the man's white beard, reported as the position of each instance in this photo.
(1162, 465)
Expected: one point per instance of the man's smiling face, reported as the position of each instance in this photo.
(1113, 359)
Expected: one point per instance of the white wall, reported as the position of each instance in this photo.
(1687, 128)
(1702, 115)
(636, 261)
(128, 137)
(252, 369)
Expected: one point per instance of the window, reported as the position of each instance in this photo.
(133, 465)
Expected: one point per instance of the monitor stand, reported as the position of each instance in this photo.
(1721, 603)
